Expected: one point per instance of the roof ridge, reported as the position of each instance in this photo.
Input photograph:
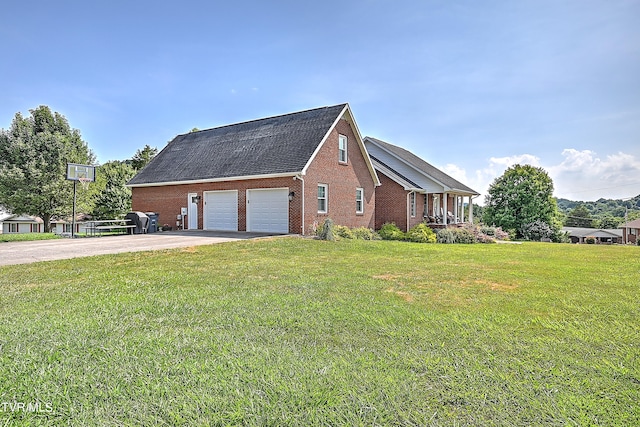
(265, 118)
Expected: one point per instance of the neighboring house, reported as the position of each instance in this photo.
(413, 191)
(579, 234)
(630, 231)
(283, 174)
(15, 224)
(64, 226)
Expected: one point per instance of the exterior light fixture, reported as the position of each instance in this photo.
(291, 196)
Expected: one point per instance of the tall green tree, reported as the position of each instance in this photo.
(142, 157)
(114, 199)
(34, 152)
(579, 217)
(521, 196)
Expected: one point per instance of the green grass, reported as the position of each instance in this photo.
(302, 332)
(27, 237)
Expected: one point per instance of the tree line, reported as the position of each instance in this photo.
(34, 152)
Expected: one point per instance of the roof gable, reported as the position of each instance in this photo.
(274, 146)
(412, 169)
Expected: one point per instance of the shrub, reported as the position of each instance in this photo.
(421, 233)
(495, 232)
(462, 235)
(536, 231)
(479, 234)
(590, 240)
(343, 232)
(365, 233)
(445, 236)
(326, 230)
(390, 231)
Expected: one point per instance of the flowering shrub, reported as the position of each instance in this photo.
(421, 233)
(536, 231)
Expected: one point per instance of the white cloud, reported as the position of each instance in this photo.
(580, 175)
(583, 175)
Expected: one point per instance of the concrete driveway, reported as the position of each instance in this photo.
(47, 250)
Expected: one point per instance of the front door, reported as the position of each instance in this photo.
(192, 215)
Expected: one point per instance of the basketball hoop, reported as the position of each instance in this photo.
(84, 181)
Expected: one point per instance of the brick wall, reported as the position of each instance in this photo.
(391, 203)
(342, 180)
(167, 200)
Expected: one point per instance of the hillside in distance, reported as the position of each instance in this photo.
(601, 208)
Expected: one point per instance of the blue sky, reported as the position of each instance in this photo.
(471, 87)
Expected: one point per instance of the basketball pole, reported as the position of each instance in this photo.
(73, 218)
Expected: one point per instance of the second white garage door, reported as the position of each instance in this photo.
(221, 210)
(268, 210)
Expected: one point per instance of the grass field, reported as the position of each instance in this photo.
(301, 332)
(24, 237)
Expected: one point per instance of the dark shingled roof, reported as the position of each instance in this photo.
(275, 145)
(421, 165)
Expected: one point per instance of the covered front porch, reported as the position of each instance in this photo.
(451, 203)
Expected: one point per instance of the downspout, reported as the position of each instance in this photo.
(302, 214)
(408, 210)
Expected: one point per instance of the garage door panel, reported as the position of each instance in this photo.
(268, 210)
(221, 210)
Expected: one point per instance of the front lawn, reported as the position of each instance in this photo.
(294, 331)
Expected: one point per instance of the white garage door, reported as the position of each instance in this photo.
(268, 210)
(221, 210)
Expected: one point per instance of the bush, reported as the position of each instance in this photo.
(590, 240)
(326, 230)
(536, 231)
(463, 236)
(495, 232)
(390, 231)
(365, 233)
(421, 233)
(445, 236)
(480, 234)
(343, 232)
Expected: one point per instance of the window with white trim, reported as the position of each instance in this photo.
(342, 149)
(13, 227)
(425, 208)
(66, 228)
(322, 198)
(359, 200)
(412, 201)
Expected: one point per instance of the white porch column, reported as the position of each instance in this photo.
(455, 209)
(471, 209)
(445, 196)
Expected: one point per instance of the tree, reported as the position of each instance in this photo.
(522, 195)
(609, 221)
(114, 199)
(579, 217)
(34, 152)
(143, 157)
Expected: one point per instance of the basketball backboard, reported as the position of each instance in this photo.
(76, 172)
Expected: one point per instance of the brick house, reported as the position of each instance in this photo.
(413, 191)
(630, 231)
(282, 174)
